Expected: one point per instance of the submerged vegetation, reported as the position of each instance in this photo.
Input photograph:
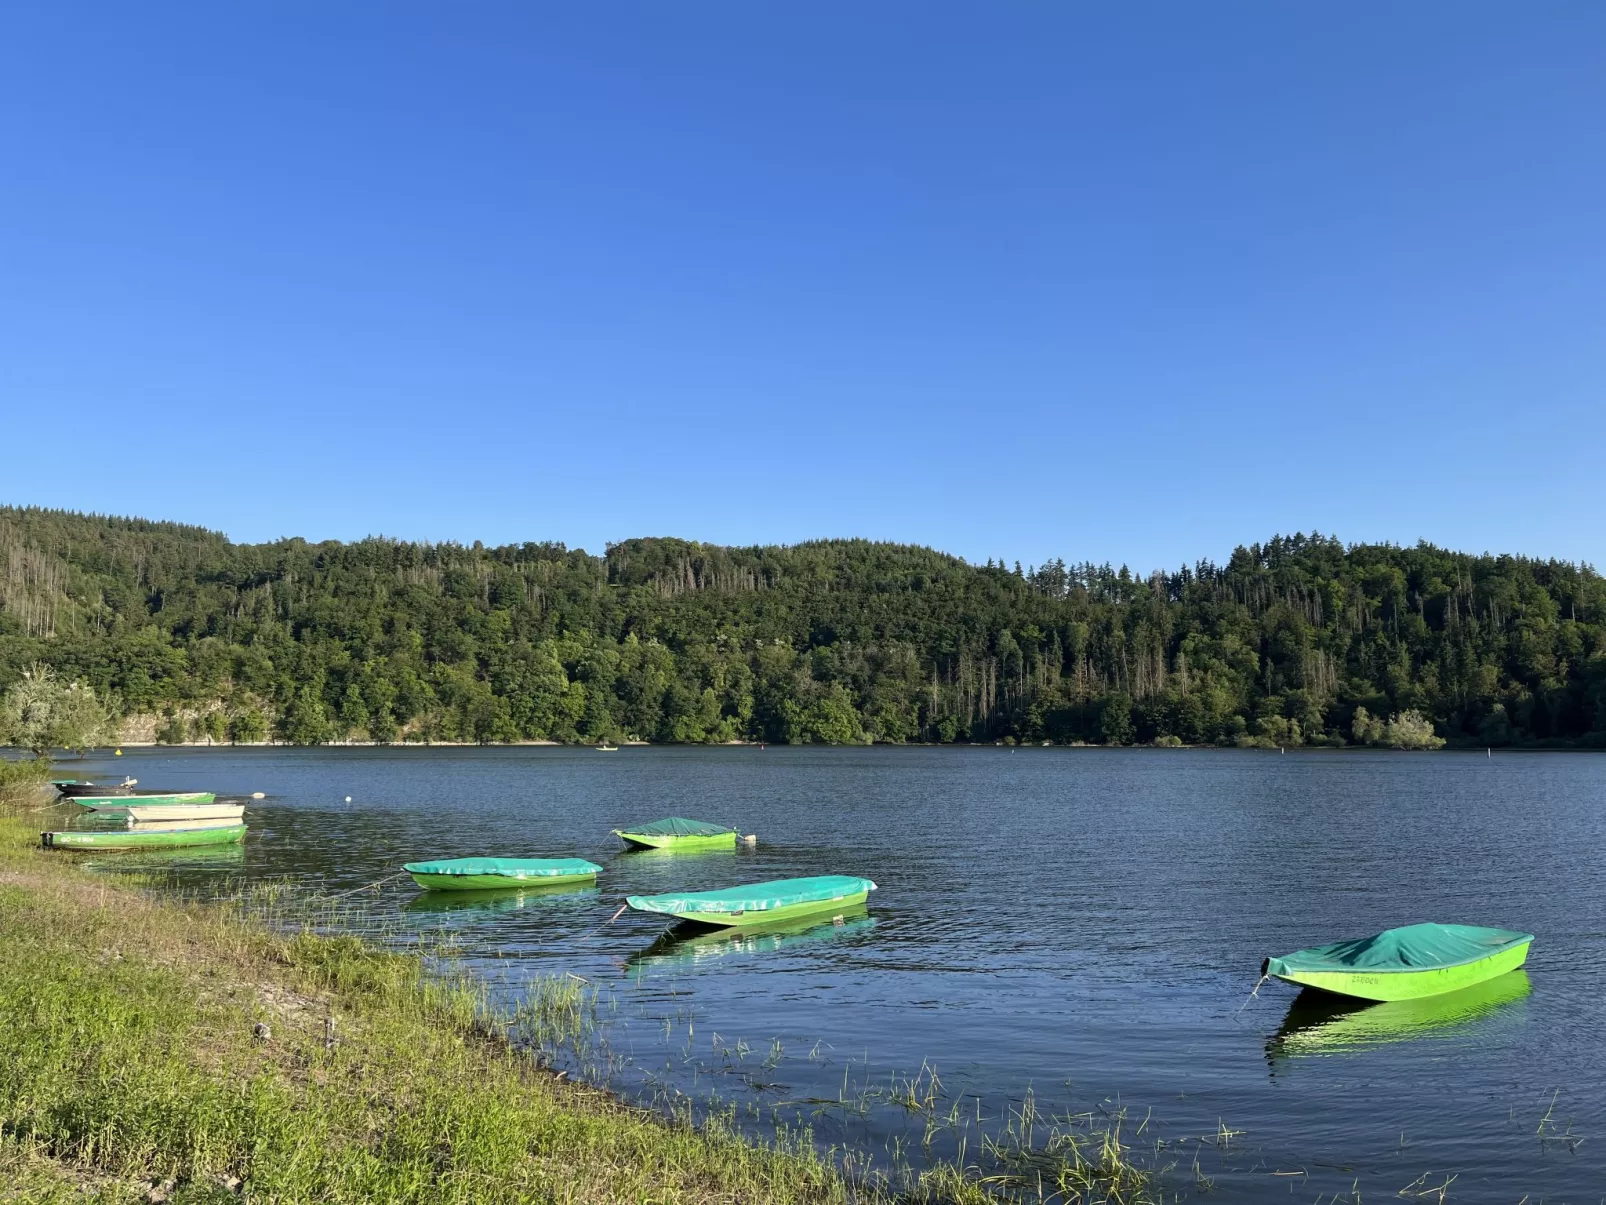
(1301, 640)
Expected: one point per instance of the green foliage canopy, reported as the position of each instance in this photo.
(1302, 640)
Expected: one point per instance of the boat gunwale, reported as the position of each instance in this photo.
(641, 903)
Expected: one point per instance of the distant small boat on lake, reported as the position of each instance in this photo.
(493, 874)
(676, 832)
(1406, 963)
(761, 903)
(605, 747)
(164, 837)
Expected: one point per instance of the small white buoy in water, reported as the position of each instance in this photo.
(348, 798)
(258, 795)
(750, 839)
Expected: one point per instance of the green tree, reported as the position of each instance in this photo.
(41, 712)
(247, 727)
(305, 721)
(1115, 720)
(832, 719)
(354, 717)
(1411, 730)
(215, 726)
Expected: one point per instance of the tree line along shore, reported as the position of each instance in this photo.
(180, 636)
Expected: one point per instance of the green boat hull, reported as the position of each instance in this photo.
(687, 844)
(109, 839)
(1411, 985)
(119, 803)
(769, 917)
(496, 882)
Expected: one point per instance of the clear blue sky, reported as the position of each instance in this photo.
(1134, 282)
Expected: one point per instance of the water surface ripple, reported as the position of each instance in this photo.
(1085, 924)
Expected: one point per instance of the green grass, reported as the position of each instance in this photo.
(19, 776)
(132, 1056)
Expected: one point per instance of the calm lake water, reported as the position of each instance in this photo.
(1085, 925)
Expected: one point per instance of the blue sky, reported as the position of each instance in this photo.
(1136, 283)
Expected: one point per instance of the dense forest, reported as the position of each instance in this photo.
(1301, 640)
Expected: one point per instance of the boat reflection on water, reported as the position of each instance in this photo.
(510, 900)
(687, 945)
(635, 855)
(1321, 1023)
(159, 860)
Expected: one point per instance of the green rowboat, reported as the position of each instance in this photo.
(677, 832)
(144, 838)
(118, 803)
(498, 874)
(1405, 964)
(761, 903)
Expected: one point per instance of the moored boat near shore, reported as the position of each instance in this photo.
(761, 903)
(676, 832)
(118, 803)
(493, 874)
(167, 837)
(146, 813)
(73, 788)
(1406, 963)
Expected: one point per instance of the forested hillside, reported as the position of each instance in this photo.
(1299, 640)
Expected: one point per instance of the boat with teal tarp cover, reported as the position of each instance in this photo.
(1406, 963)
(676, 832)
(760, 903)
(167, 837)
(498, 874)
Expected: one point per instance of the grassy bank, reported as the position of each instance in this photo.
(156, 1050)
(20, 777)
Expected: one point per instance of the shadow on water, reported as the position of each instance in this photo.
(687, 945)
(511, 900)
(1321, 1023)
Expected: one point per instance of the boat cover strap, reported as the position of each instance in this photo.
(755, 897)
(1413, 948)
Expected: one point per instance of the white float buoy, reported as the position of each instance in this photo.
(258, 795)
(348, 798)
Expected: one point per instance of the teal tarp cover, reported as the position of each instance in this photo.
(1413, 948)
(755, 897)
(677, 826)
(513, 868)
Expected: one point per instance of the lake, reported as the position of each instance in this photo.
(1081, 925)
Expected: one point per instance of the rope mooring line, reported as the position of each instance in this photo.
(1260, 983)
(599, 928)
(368, 886)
